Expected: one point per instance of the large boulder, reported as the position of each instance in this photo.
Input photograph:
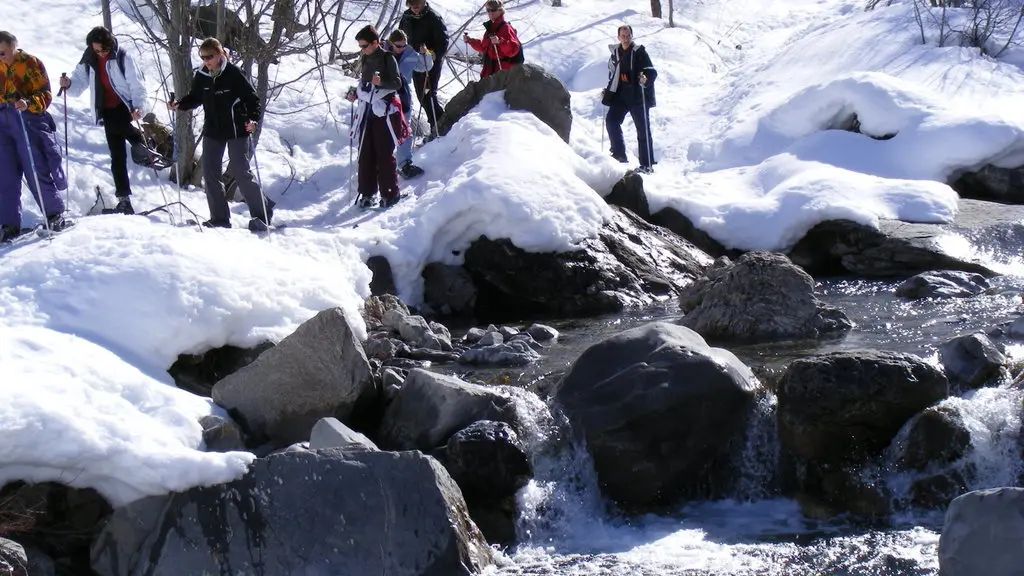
(302, 512)
(839, 411)
(972, 361)
(931, 447)
(662, 413)
(992, 183)
(197, 373)
(527, 87)
(630, 264)
(761, 297)
(943, 284)
(317, 371)
(430, 407)
(982, 534)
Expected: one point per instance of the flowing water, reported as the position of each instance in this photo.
(565, 528)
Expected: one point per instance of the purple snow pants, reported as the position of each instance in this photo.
(17, 158)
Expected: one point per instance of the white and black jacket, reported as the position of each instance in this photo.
(228, 99)
(127, 84)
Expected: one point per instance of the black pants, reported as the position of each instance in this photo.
(613, 122)
(425, 84)
(117, 125)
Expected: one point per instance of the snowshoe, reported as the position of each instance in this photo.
(9, 234)
(367, 202)
(124, 206)
(217, 224)
(644, 170)
(54, 225)
(410, 170)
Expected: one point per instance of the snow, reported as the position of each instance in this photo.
(750, 96)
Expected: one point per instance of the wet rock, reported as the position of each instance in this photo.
(542, 332)
(448, 289)
(675, 221)
(992, 183)
(628, 193)
(630, 264)
(761, 297)
(473, 335)
(935, 437)
(972, 361)
(662, 415)
(982, 534)
(935, 492)
(943, 284)
(428, 355)
(516, 353)
(490, 339)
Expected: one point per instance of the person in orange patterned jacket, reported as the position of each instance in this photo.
(28, 140)
(500, 45)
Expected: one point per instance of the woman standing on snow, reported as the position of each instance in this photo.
(500, 45)
(380, 125)
(232, 110)
(630, 89)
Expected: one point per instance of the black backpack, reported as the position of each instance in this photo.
(519, 58)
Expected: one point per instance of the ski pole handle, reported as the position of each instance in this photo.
(60, 92)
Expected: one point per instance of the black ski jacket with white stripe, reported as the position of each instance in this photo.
(228, 100)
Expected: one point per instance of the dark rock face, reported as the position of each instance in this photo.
(630, 264)
(449, 290)
(527, 87)
(197, 373)
(972, 361)
(937, 436)
(370, 512)
(628, 193)
(896, 250)
(760, 298)
(838, 412)
(662, 413)
(383, 279)
(673, 220)
(992, 183)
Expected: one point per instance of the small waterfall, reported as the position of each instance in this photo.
(758, 462)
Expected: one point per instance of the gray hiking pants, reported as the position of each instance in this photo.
(238, 167)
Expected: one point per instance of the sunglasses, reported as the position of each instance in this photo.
(494, 9)
(399, 46)
(363, 46)
(207, 57)
(416, 6)
(102, 51)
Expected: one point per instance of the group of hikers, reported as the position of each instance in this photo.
(408, 61)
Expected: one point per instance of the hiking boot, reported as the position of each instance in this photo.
(124, 206)
(217, 224)
(257, 225)
(409, 170)
(9, 233)
(389, 201)
(367, 202)
(645, 170)
(57, 222)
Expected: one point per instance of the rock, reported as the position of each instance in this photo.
(330, 433)
(382, 280)
(392, 377)
(221, 435)
(489, 463)
(759, 298)
(673, 220)
(431, 407)
(441, 331)
(662, 414)
(448, 289)
(516, 353)
(628, 193)
(369, 512)
(838, 412)
(428, 355)
(992, 183)
(13, 561)
(630, 264)
(895, 250)
(527, 87)
(542, 332)
(319, 370)
(473, 335)
(507, 332)
(413, 329)
(943, 284)
(382, 349)
(972, 361)
(935, 492)
(377, 310)
(982, 534)
(197, 373)
(490, 339)
(525, 338)
(935, 437)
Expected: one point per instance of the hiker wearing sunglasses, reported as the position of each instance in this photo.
(426, 29)
(409, 63)
(380, 124)
(500, 44)
(28, 140)
(232, 110)
(118, 96)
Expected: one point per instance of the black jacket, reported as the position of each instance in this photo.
(427, 28)
(636, 61)
(228, 100)
(384, 62)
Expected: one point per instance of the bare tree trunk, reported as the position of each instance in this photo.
(334, 36)
(220, 20)
(656, 8)
(671, 14)
(107, 22)
(556, 3)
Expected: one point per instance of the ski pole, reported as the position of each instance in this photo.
(35, 176)
(647, 125)
(174, 155)
(263, 196)
(351, 142)
(156, 174)
(67, 164)
(429, 92)
(364, 120)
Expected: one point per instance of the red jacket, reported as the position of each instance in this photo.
(508, 51)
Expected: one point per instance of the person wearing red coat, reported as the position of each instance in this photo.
(500, 44)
